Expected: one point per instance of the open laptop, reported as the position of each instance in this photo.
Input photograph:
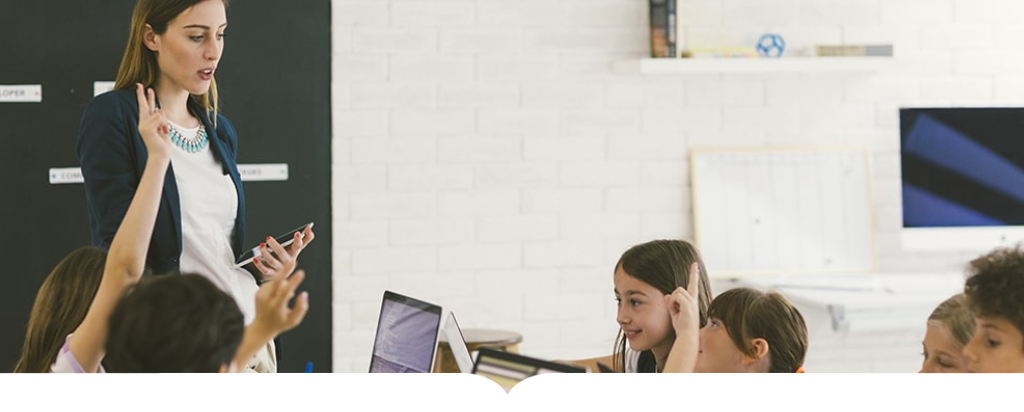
(407, 333)
(508, 369)
(457, 343)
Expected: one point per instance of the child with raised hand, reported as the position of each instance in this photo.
(126, 258)
(684, 307)
(645, 277)
(185, 323)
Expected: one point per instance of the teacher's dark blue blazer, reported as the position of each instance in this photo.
(113, 156)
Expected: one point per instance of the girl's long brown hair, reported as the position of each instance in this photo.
(60, 306)
(664, 264)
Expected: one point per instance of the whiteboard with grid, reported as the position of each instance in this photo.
(771, 212)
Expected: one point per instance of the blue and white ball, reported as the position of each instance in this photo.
(771, 45)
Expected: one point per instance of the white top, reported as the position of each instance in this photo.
(632, 358)
(209, 205)
(66, 362)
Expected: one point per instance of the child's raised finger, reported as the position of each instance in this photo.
(286, 285)
(295, 280)
(693, 287)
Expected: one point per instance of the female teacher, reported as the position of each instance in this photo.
(173, 50)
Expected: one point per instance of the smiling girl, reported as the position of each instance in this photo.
(645, 278)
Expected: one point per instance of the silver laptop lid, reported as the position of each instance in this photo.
(457, 342)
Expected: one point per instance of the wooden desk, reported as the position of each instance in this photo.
(505, 340)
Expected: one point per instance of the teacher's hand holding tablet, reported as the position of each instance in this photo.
(273, 256)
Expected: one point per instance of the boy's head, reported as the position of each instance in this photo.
(174, 323)
(995, 294)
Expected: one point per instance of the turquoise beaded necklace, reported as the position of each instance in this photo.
(193, 145)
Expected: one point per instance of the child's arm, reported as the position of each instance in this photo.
(685, 312)
(272, 314)
(126, 258)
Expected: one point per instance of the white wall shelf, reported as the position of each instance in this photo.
(664, 66)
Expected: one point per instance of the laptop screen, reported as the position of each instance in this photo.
(406, 335)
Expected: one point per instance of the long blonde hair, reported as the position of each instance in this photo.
(139, 65)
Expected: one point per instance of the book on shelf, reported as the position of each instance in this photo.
(664, 27)
(721, 52)
(854, 50)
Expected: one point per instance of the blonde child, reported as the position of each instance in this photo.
(950, 327)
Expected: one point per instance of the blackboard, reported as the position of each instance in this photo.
(274, 80)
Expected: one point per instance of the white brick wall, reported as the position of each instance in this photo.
(488, 159)
(517, 228)
(432, 231)
(391, 96)
(516, 121)
(429, 67)
(524, 67)
(438, 14)
(464, 95)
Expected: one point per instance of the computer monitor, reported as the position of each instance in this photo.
(962, 178)
(407, 332)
